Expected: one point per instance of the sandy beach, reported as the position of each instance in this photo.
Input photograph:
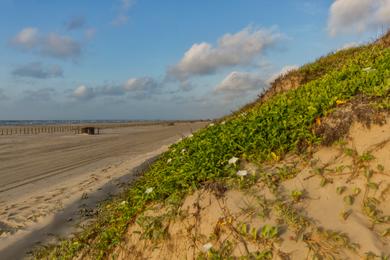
(41, 175)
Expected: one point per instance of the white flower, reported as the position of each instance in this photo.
(207, 247)
(242, 173)
(233, 160)
(212, 124)
(169, 160)
(223, 122)
(183, 150)
(149, 190)
(124, 202)
(190, 135)
(368, 69)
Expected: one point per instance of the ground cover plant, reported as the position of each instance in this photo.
(264, 131)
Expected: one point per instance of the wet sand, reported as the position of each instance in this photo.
(41, 175)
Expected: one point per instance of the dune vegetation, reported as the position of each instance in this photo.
(255, 154)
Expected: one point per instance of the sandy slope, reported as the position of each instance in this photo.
(341, 210)
(40, 175)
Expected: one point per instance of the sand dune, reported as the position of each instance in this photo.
(334, 205)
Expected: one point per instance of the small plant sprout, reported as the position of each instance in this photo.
(340, 190)
(323, 181)
(373, 185)
(149, 190)
(297, 195)
(356, 191)
(169, 160)
(207, 247)
(366, 157)
(349, 199)
(386, 233)
(233, 160)
(380, 168)
(345, 214)
(269, 232)
(368, 173)
(242, 173)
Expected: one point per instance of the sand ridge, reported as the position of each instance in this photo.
(331, 205)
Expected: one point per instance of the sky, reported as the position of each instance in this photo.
(172, 59)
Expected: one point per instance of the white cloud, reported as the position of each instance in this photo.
(26, 38)
(53, 45)
(349, 45)
(241, 83)
(123, 15)
(83, 93)
(134, 87)
(283, 71)
(144, 84)
(357, 16)
(62, 47)
(241, 48)
(38, 70)
(383, 13)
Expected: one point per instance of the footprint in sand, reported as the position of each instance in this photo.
(23, 208)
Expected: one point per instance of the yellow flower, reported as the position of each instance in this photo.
(275, 157)
(340, 102)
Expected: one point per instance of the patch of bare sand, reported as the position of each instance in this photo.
(337, 206)
(30, 199)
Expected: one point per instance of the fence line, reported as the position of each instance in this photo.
(39, 129)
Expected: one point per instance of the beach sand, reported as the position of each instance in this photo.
(44, 175)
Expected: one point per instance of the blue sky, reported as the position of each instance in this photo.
(145, 59)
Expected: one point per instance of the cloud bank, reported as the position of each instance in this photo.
(240, 83)
(38, 70)
(136, 87)
(241, 48)
(52, 44)
(357, 16)
(44, 94)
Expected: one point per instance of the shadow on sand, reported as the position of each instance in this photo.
(68, 221)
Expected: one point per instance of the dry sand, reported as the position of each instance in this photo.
(48, 178)
(345, 217)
